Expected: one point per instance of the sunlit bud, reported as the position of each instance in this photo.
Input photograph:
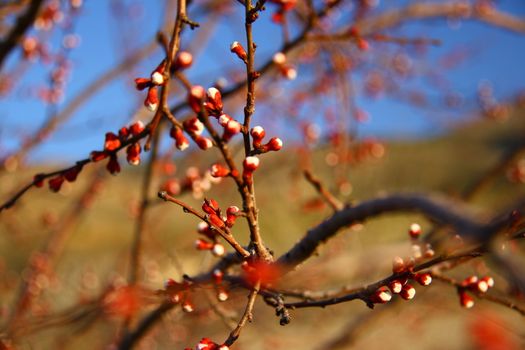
(251, 163)
(222, 295)
(233, 127)
(113, 166)
(423, 279)
(218, 250)
(237, 49)
(257, 134)
(204, 143)
(408, 292)
(489, 281)
(215, 220)
(56, 183)
(136, 128)
(152, 100)
(210, 206)
(142, 83)
(172, 186)
(398, 265)
(112, 142)
(133, 154)
(465, 300)
(217, 276)
(274, 144)
(183, 60)
(214, 101)
(224, 119)
(193, 126)
(202, 227)
(157, 77)
(231, 215)
(279, 58)
(195, 97)
(481, 286)
(70, 175)
(181, 142)
(218, 170)
(201, 244)
(414, 231)
(123, 133)
(224, 347)
(96, 156)
(187, 306)
(395, 286)
(289, 72)
(470, 281)
(381, 296)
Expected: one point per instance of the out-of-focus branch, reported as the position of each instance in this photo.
(52, 249)
(22, 24)
(329, 198)
(441, 211)
(424, 10)
(144, 326)
(76, 102)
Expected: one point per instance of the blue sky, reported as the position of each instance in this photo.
(497, 57)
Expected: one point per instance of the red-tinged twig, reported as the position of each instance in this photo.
(224, 234)
(364, 293)
(22, 24)
(329, 198)
(486, 296)
(247, 316)
(42, 176)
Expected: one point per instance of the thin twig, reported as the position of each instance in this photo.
(224, 234)
(246, 317)
(325, 194)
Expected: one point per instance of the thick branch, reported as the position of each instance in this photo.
(440, 211)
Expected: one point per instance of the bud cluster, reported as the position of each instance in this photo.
(178, 293)
(286, 70)
(113, 143)
(475, 285)
(258, 134)
(158, 78)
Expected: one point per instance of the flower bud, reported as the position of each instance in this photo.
(218, 170)
(152, 100)
(112, 142)
(408, 292)
(183, 60)
(133, 154)
(195, 98)
(136, 128)
(237, 49)
(113, 166)
(56, 183)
